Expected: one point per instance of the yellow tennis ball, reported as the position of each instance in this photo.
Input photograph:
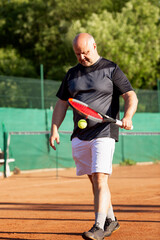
(82, 124)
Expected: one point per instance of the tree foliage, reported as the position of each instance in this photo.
(12, 62)
(39, 31)
(131, 39)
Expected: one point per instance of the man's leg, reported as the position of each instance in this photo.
(110, 213)
(101, 197)
(101, 203)
(111, 223)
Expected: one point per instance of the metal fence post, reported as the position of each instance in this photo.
(5, 137)
(158, 91)
(42, 86)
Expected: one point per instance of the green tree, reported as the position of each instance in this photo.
(36, 29)
(131, 39)
(11, 63)
(42, 32)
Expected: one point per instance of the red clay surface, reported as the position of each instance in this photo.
(40, 206)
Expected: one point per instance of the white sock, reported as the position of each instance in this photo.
(110, 213)
(100, 218)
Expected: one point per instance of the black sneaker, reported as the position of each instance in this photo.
(95, 233)
(110, 226)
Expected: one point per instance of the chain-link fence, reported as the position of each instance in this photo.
(21, 92)
(26, 92)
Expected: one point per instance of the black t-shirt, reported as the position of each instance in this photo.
(100, 86)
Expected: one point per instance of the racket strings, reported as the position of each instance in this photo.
(86, 110)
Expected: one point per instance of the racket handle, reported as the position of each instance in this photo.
(119, 123)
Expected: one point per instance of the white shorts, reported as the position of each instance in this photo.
(93, 156)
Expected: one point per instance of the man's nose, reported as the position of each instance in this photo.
(81, 56)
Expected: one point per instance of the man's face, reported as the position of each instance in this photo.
(85, 53)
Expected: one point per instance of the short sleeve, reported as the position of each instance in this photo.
(63, 92)
(121, 81)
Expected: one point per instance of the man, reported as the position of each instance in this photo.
(99, 83)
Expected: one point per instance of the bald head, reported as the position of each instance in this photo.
(85, 49)
(83, 38)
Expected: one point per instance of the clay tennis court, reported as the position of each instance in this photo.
(40, 206)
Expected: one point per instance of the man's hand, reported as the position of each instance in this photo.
(57, 118)
(127, 123)
(131, 102)
(53, 138)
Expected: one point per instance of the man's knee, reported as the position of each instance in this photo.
(100, 179)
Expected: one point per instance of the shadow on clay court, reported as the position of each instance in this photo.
(11, 238)
(76, 207)
(43, 233)
(72, 219)
(137, 208)
(140, 221)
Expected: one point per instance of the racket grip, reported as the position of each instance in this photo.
(119, 123)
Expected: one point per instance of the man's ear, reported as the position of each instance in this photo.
(94, 45)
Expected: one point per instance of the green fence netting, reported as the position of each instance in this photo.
(33, 151)
(26, 93)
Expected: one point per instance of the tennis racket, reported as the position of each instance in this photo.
(89, 113)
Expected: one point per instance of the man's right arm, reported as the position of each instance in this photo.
(57, 118)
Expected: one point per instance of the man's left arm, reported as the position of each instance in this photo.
(130, 108)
